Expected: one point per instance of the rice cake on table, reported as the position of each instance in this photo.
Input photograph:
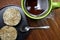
(11, 16)
(9, 33)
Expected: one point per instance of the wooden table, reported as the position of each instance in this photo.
(50, 34)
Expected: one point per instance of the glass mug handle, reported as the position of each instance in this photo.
(55, 5)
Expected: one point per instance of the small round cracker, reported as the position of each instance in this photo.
(9, 33)
(11, 16)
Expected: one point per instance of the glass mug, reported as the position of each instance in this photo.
(38, 9)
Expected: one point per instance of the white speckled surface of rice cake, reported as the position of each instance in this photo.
(11, 16)
(9, 33)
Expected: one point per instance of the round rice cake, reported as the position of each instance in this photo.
(9, 33)
(11, 16)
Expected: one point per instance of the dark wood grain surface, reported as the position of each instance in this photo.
(54, 22)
